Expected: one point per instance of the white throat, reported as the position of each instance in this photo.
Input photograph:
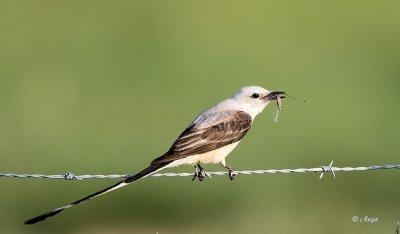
(251, 109)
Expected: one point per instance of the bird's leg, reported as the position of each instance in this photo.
(200, 173)
(231, 171)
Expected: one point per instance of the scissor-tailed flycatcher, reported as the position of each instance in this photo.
(208, 139)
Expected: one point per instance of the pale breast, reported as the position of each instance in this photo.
(214, 156)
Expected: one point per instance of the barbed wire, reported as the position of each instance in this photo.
(322, 170)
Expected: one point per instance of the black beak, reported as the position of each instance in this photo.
(274, 95)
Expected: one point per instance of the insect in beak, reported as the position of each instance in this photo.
(275, 95)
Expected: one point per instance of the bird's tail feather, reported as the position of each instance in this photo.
(146, 172)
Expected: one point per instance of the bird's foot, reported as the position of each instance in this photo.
(231, 173)
(200, 173)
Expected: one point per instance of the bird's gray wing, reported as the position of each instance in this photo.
(229, 127)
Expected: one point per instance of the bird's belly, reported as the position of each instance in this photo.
(214, 156)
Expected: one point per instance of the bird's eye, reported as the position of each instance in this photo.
(255, 95)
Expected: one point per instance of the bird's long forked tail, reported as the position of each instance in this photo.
(146, 172)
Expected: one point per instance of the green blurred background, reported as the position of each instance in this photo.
(99, 87)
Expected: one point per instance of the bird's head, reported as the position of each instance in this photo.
(254, 99)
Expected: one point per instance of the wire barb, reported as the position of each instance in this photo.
(327, 169)
(322, 170)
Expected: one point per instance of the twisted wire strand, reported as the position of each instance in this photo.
(322, 170)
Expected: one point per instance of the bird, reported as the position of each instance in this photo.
(208, 139)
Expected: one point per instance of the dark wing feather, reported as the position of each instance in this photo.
(198, 140)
